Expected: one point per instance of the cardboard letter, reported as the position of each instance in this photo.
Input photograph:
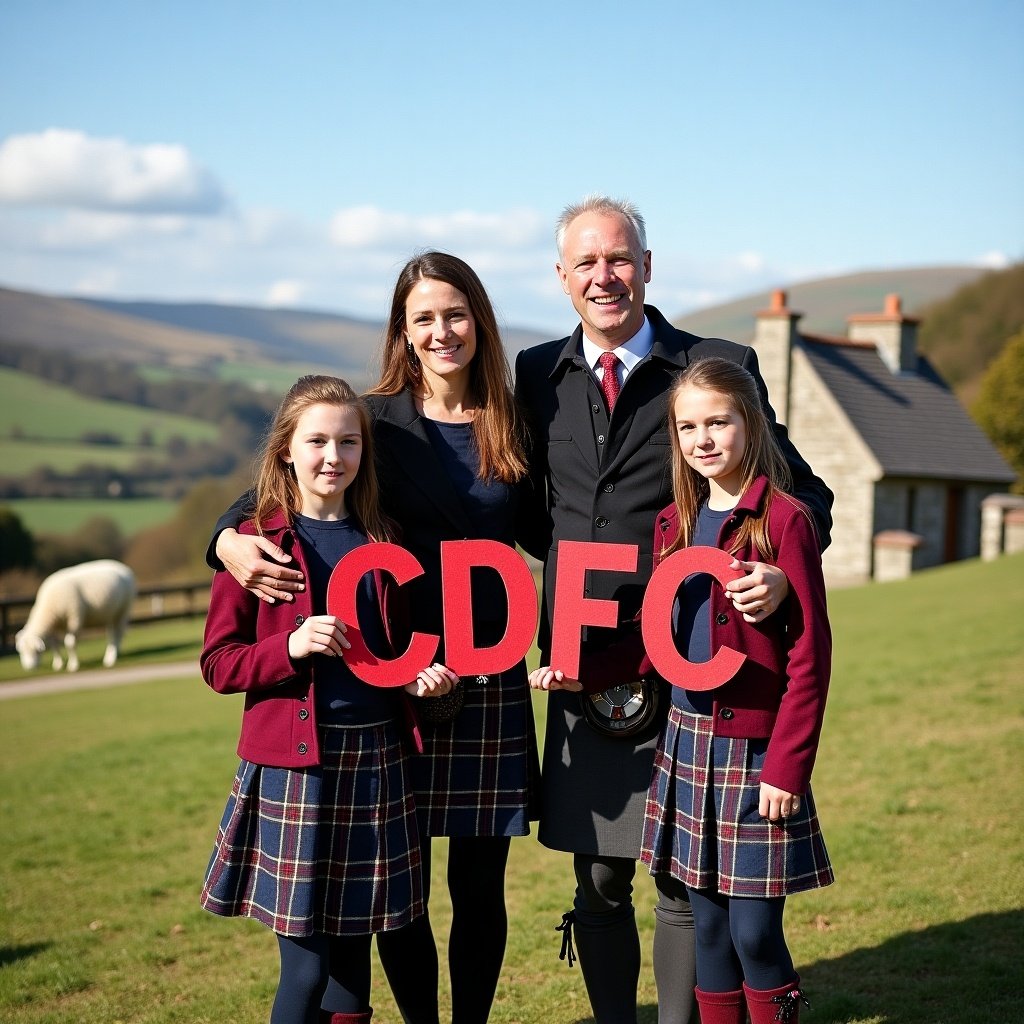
(457, 558)
(572, 610)
(656, 621)
(341, 602)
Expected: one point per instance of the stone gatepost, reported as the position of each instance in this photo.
(996, 511)
(895, 552)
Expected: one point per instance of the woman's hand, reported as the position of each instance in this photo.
(244, 557)
(756, 595)
(434, 681)
(318, 634)
(777, 804)
(548, 678)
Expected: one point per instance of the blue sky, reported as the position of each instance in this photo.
(297, 154)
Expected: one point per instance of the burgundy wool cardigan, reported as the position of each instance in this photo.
(779, 692)
(245, 650)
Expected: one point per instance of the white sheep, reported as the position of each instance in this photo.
(91, 594)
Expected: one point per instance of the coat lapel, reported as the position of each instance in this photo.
(410, 452)
(574, 400)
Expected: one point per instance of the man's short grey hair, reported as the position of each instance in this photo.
(597, 203)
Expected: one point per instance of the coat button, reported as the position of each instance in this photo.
(303, 714)
(302, 748)
(600, 438)
(608, 488)
(595, 408)
(300, 619)
(727, 713)
(600, 522)
(721, 618)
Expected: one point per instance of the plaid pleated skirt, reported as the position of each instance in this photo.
(333, 849)
(702, 825)
(478, 774)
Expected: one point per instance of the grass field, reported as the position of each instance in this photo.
(65, 515)
(110, 801)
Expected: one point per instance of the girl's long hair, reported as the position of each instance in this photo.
(498, 426)
(276, 487)
(762, 455)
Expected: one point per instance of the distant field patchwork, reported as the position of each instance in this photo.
(65, 515)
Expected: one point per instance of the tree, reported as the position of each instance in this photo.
(1000, 405)
(17, 545)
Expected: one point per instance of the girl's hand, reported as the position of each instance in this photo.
(318, 634)
(548, 678)
(756, 595)
(776, 804)
(434, 681)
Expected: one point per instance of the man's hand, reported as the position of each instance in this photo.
(547, 678)
(760, 592)
(255, 563)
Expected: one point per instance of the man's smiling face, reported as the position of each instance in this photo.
(603, 271)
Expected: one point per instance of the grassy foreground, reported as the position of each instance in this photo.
(109, 802)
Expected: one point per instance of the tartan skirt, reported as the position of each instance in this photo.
(478, 774)
(332, 849)
(702, 825)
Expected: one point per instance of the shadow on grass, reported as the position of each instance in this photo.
(12, 954)
(964, 972)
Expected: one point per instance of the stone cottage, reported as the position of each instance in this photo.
(909, 468)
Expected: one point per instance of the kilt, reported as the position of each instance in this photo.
(478, 774)
(332, 849)
(702, 825)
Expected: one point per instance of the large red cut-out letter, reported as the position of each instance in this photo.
(656, 620)
(572, 610)
(458, 557)
(341, 601)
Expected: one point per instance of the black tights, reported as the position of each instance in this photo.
(740, 939)
(609, 946)
(476, 943)
(312, 966)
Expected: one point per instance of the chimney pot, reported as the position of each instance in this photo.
(893, 305)
(778, 300)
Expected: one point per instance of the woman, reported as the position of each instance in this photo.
(452, 464)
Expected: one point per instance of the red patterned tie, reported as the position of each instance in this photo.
(610, 380)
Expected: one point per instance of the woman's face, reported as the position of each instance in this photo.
(440, 327)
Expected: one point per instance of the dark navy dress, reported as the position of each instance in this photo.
(477, 772)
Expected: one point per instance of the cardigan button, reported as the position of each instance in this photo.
(300, 619)
(721, 618)
(727, 714)
(302, 748)
(303, 714)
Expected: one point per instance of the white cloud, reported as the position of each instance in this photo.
(370, 226)
(286, 293)
(64, 168)
(994, 260)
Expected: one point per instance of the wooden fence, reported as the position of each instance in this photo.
(152, 604)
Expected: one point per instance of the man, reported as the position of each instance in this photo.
(605, 474)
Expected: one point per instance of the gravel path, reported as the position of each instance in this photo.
(96, 679)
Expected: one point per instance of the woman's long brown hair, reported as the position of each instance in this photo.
(498, 426)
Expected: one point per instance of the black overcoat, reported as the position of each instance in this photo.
(601, 479)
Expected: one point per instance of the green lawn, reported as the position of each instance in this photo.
(65, 515)
(110, 800)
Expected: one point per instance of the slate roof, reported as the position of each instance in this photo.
(912, 422)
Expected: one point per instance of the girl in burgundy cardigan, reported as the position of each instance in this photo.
(730, 821)
(319, 839)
